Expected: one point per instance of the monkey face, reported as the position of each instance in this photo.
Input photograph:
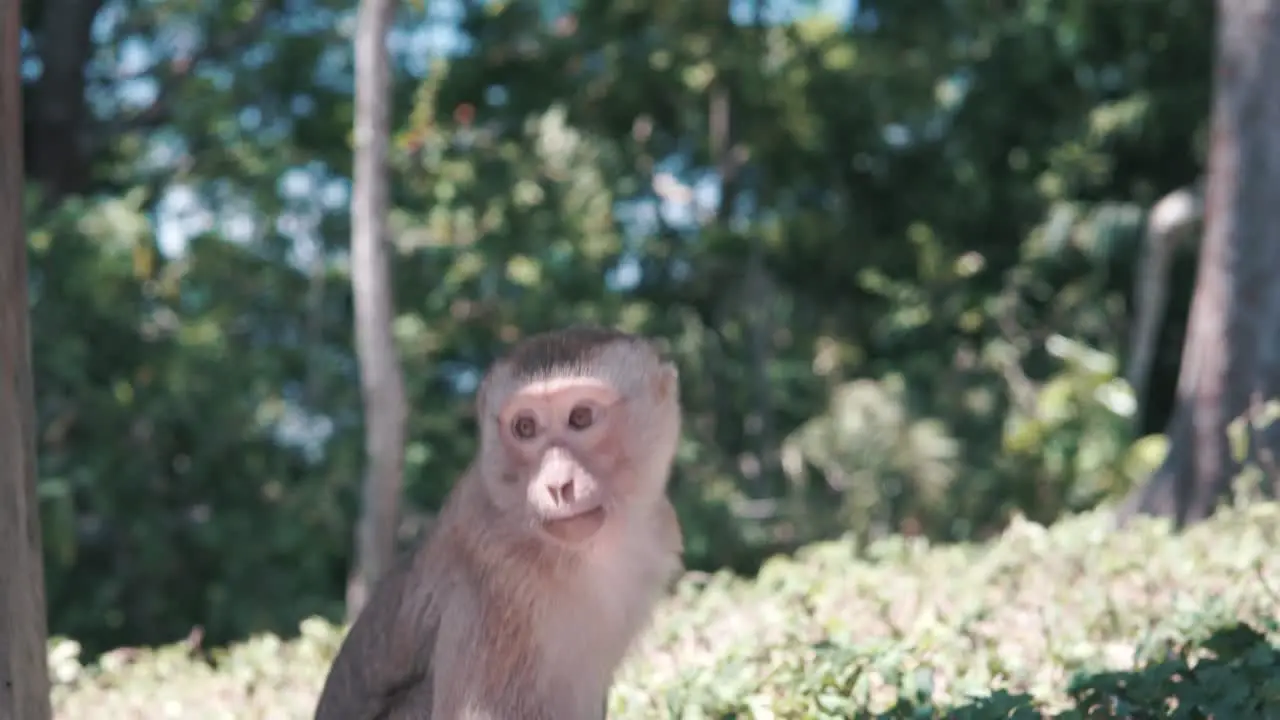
(580, 426)
(563, 440)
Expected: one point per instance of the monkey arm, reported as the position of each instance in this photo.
(384, 658)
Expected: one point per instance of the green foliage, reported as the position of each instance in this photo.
(886, 466)
(904, 312)
(1072, 621)
(1078, 435)
(151, 472)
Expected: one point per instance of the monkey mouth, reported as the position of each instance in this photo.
(576, 528)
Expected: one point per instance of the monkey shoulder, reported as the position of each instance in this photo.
(387, 650)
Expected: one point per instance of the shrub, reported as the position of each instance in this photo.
(1072, 621)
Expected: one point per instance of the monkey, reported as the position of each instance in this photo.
(549, 553)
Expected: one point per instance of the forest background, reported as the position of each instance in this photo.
(895, 247)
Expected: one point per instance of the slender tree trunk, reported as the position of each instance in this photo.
(24, 675)
(1174, 224)
(381, 381)
(1232, 350)
(757, 311)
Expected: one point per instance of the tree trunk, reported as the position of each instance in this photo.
(381, 382)
(1232, 350)
(1174, 224)
(59, 146)
(24, 675)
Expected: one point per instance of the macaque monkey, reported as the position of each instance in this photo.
(548, 556)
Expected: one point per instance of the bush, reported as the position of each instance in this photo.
(1072, 621)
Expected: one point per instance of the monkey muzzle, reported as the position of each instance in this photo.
(566, 498)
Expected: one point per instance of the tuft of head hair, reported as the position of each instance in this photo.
(627, 362)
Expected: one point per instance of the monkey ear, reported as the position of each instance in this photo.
(667, 383)
(482, 397)
(494, 388)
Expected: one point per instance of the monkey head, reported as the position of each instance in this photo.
(576, 427)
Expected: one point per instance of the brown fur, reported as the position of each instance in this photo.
(492, 620)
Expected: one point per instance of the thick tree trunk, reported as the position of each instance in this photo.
(381, 381)
(24, 677)
(1232, 350)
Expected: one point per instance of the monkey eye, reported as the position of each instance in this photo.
(581, 417)
(524, 426)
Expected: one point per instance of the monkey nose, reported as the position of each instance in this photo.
(562, 494)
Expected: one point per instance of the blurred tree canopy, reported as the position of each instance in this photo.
(891, 244)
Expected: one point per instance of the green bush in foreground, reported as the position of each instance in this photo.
(1074, 621)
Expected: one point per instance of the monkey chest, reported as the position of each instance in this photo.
(594, 624)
